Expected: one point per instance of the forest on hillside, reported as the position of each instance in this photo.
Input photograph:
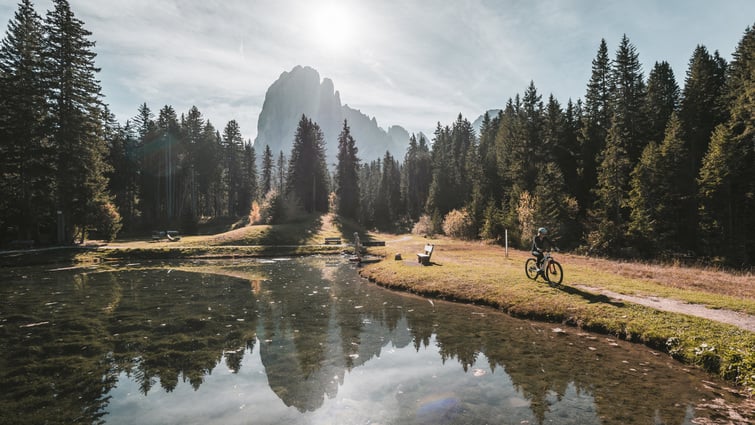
(640, 167)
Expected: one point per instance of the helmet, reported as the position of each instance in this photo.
(542, 231)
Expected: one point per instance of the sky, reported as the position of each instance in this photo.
(411, 63)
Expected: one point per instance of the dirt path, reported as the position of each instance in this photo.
(741, 320)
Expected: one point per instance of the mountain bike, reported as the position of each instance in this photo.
(551, 269)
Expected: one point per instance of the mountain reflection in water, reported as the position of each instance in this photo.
(307, 341)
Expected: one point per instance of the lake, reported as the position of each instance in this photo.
(307, 341)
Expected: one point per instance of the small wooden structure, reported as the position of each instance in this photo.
(332, 241)
(171, 235)
(424, 257)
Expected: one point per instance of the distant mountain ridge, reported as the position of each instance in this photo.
(300, 91)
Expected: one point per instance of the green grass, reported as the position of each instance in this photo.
(478, 274)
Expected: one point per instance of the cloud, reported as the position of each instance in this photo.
(410, 63)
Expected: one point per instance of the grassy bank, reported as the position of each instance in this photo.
(481, 274)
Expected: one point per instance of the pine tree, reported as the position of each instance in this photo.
(282, 171)
(628, 98)
(233, 148)
(267, 172)
(464, 141)
(568, 151)
(701, 109)
(124, 176)
(209, 171)
(249, 187)
(727, 177)
(597, 121)
(76, 112)
(554, 207)
(26, 159)
(148, 163)
(347, 175)
(644, 196)
(369, 183)
(416, 176)
(610, 213)
(490, 185)
(661, 101)
(443, 196)
(307, 178)
(168, 130)
(191, 129)
(659, 206)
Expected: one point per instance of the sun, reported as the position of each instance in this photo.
(333, 27)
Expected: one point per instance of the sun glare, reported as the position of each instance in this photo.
(333, 27)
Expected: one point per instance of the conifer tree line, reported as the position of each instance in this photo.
(639, 167)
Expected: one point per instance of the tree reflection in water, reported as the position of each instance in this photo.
(69, 338)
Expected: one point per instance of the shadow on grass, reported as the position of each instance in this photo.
(348, 227)
(590, 297)
(298, 233)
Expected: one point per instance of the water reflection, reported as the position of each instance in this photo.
(306, 341)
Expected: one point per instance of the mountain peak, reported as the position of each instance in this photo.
(301, 92)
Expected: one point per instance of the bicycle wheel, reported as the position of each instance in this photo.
(554, 273)
(530, 268)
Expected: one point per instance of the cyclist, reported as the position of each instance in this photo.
(539, 244)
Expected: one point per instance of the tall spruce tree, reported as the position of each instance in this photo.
(657, 201)
(628, 99)
(387, 203)
(124, 176)
(416, 176)
(233, 149)
(727, 176)
(347, 175)
(702, 108)
(266, 183)
(443, 195)
(281, 172)
(76, 111)
(26, 158)
(596, 123)
(209, 171)
(307, 177)
(249, 182)
(661, 100)
(147, 139)
(568, 151)
(610, 212)
(700, 111)
(167, 156)
(491, 182)
(191, 129)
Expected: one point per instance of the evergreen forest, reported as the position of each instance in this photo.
(641, 167)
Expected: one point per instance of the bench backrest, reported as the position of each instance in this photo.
(429, 249)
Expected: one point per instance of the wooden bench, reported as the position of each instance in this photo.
(332, 241)
(424, 257)
(373, 243)
(171, 235)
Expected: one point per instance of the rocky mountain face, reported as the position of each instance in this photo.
(300, 91)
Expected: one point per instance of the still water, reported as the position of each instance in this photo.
(306, 341)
